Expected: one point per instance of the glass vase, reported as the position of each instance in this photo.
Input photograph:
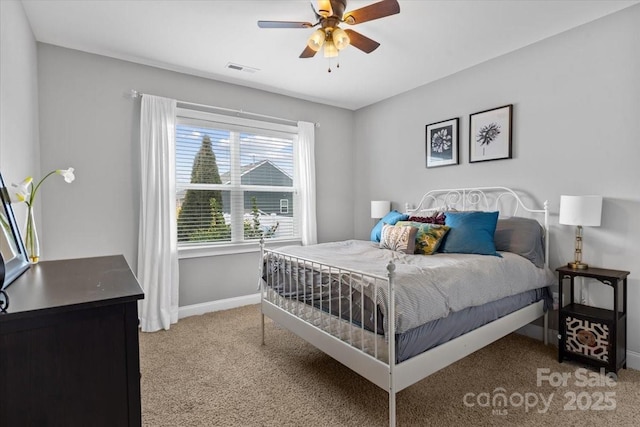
(31, 240)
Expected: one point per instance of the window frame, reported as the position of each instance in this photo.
(187, 116)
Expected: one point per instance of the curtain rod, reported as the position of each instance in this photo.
(135, 94)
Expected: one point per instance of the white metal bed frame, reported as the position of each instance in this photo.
(360, 350)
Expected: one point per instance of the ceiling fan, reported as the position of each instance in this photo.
(329, 15)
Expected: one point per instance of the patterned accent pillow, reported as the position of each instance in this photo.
(391, 218)
(436, 218)
(398, 238)
(429, 236)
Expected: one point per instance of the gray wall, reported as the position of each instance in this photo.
(576, 124)
(19, 148)
(88, 122)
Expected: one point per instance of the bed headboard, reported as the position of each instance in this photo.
(502, 199)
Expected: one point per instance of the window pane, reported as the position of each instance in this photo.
(203, 216)
(266, 160)
(203, 155)
(263, 216)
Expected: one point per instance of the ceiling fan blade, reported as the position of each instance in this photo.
(374, 11)
(284, 24)
(363, 43)
(307, 53)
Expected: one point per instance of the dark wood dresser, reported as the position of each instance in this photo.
(69, 351)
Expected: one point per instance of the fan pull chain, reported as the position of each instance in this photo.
(337, 66)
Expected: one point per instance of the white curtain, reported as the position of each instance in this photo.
(307, 179)
(157, 243)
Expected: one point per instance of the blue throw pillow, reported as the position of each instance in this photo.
(391, 218)
(470, 233)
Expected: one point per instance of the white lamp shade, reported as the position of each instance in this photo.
(581, 210)
(379, 208)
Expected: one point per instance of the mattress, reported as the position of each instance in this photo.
(414, 341)
(439, 331)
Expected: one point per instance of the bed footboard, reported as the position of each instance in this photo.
(345, 304)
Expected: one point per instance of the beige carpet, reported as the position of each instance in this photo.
(212, 371)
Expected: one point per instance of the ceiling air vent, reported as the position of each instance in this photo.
(238, 67)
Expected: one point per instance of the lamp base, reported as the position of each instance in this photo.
(577, 265)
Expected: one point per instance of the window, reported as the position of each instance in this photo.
(284, 206)
(233, 178)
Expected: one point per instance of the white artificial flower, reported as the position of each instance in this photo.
(26, 191)
(21, 192)
(67, 174)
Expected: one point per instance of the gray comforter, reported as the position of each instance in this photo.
(427, 287)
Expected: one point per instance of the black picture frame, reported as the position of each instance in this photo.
(490, 134)
(441, 143)
(12, 248)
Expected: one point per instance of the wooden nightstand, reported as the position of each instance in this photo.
(592, 335)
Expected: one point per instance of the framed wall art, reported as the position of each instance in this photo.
(442, 143)
(490, 134)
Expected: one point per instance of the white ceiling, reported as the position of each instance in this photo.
(426, 41)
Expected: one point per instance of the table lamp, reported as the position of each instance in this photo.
(379, 208)
(580, 211)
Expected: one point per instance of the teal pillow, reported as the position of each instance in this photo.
(470, 233)
(391, 218)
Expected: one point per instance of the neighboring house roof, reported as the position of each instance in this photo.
(251, 167)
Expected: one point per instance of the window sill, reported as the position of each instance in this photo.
(199, 251)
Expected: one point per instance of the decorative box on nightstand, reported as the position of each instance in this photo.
(592, 335)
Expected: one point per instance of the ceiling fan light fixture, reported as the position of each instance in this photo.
(340, 38)
(330, 50)
(316, 40)
(329, 15)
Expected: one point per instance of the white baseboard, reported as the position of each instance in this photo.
(535, 332)
(633, 360)
(211, 306)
